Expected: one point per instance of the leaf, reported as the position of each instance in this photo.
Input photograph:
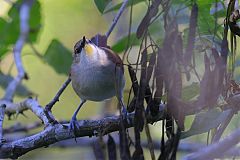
(116, 7)
(218, 9)
(206, 22)
(9, 33)
(205, 121)
(22, 90)
(34, 20)
(190, 91)
(101, 4)
(122, 44)
(9, 30)
(58, 57)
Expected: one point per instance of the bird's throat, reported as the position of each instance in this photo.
(88, 49)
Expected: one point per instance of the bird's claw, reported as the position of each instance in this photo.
(125, 115)
(73, 127)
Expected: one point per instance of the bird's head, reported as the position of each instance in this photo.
(84, 46)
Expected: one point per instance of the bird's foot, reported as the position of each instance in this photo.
(73, 127)
(125, 114)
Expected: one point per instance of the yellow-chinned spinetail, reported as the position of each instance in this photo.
(97, 74)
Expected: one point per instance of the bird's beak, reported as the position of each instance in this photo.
(83, 42)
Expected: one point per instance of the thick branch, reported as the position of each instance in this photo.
(58, 132)
(24, 31)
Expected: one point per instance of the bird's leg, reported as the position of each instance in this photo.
(124, 112)
(119, 91)
(123, 109)
(73, 123)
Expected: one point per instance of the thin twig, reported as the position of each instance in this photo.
(56, 98)
(39, 55)
(24, 31)
(28, 104)
(115, 20)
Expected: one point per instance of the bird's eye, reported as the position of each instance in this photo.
(77, 50)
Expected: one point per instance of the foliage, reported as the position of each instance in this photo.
(58, 57)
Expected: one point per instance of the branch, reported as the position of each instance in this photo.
(24, 31)
(28, 104)
(115, 20)
(59, 132)
(18, 127)
(2, 113)
(56, 98)
(84, 141)
(216, 149)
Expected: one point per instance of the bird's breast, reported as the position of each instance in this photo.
(93, 82)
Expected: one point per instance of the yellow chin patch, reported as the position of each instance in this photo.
(88, 49)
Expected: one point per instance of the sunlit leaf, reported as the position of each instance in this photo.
(205, 121)
(59, 57)
(206, 21)
(101, 4)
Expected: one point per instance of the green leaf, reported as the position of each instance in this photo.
(22, 90)
(205, 121)
(117, 6)
(7, 35)
(34, 20)
(101, 4)
(59, 57)
(190, 91)
(206, 21)
(9, 30)
(3, 50)
(122, 44)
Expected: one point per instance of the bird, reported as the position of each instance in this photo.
(97, 74)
